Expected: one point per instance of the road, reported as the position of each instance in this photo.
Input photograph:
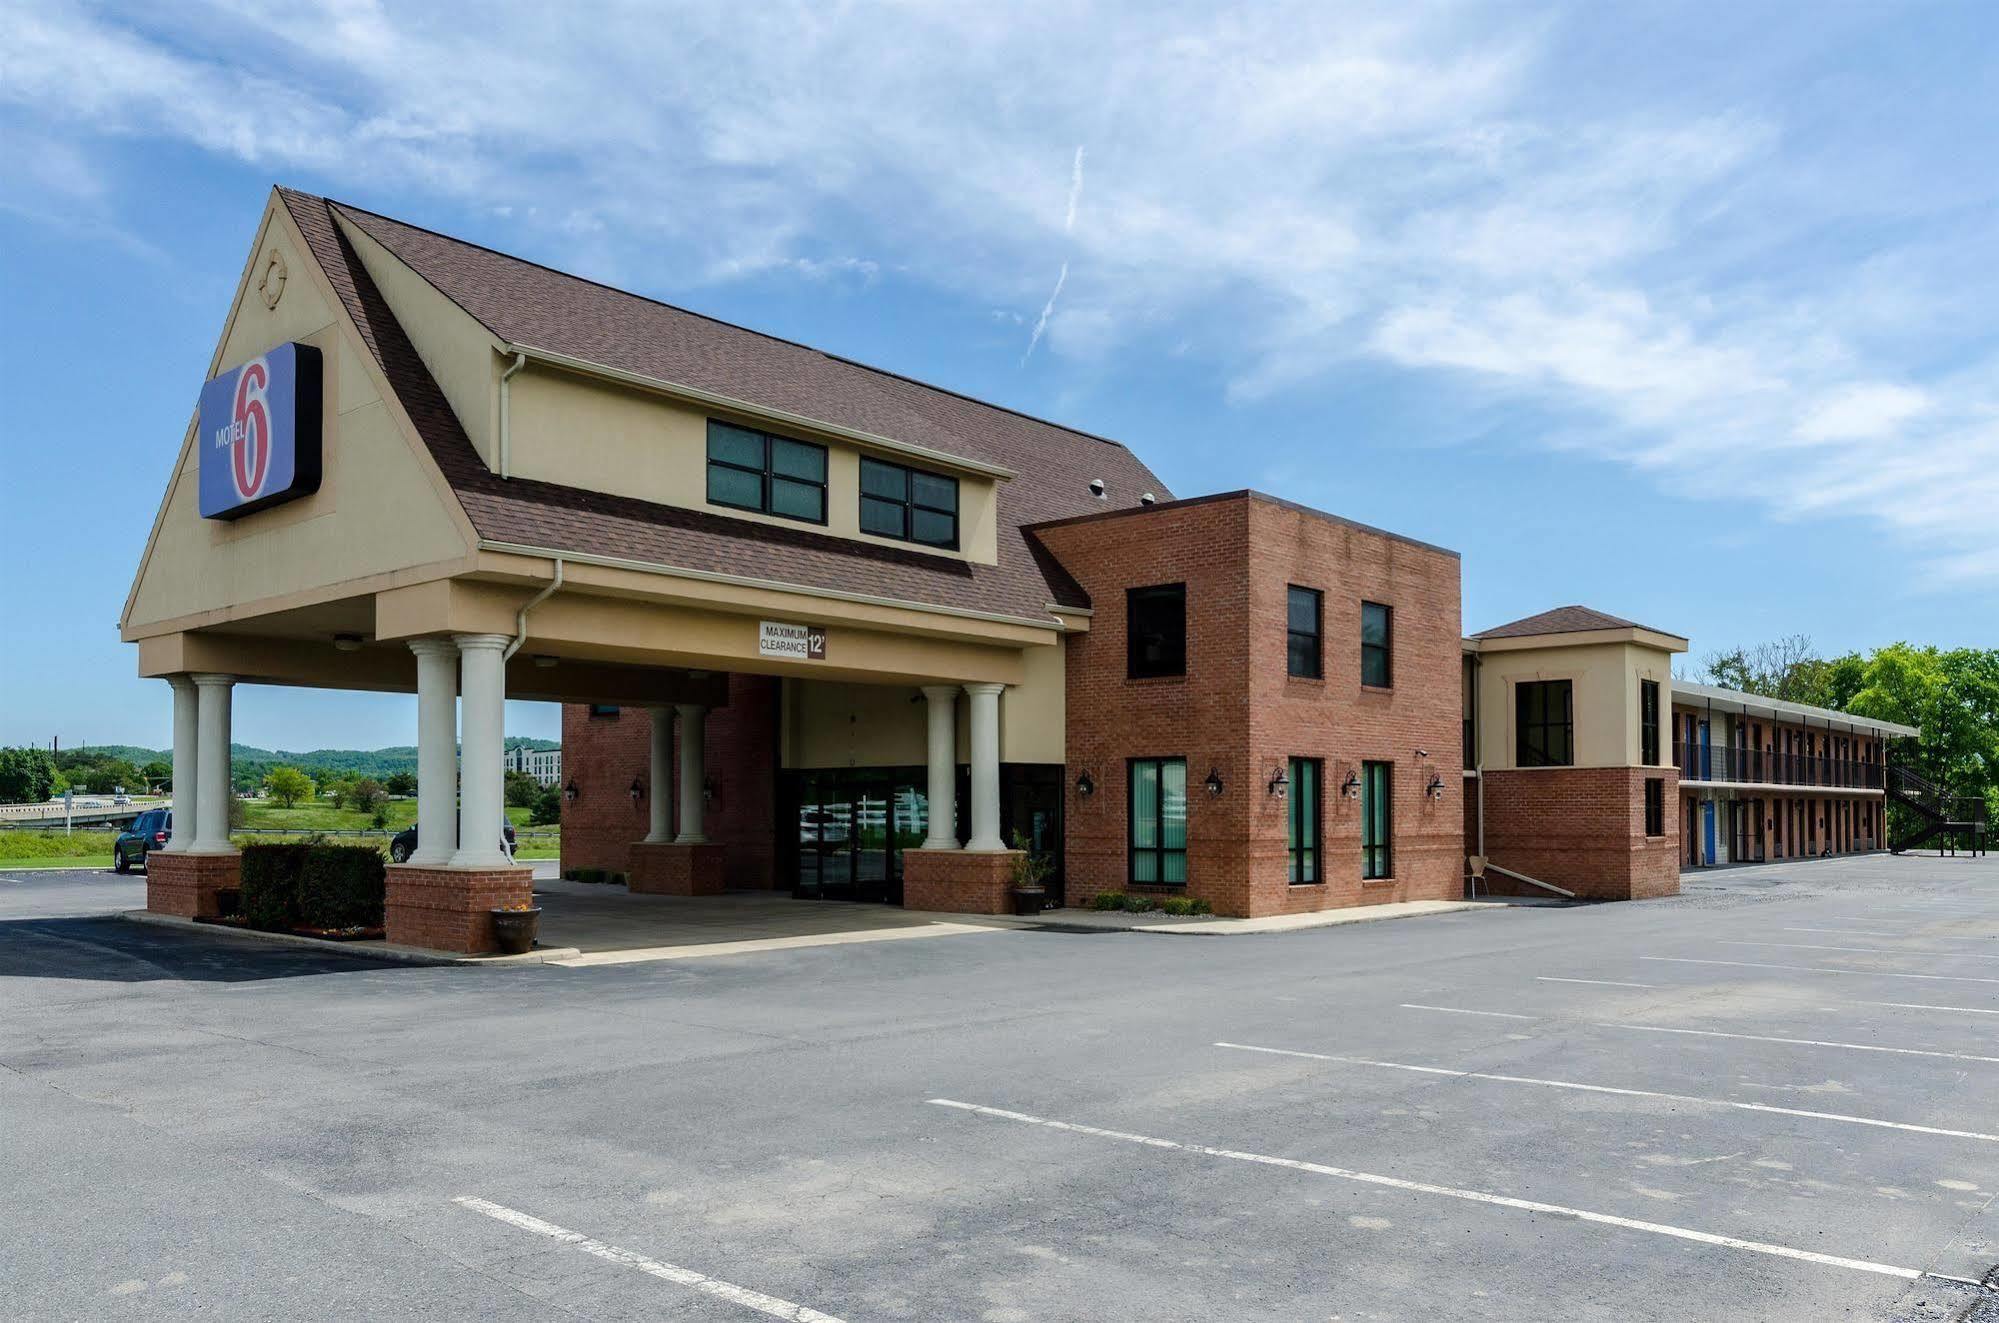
(1771, 1098)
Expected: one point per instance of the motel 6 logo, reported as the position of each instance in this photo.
(247, 435)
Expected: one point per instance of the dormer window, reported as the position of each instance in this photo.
(773, 475)
(909, 504)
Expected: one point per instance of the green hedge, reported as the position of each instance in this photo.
(342, 886)
(312, 884)
(270, 884)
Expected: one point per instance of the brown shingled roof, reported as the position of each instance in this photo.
(523, 303)
(1562, 620)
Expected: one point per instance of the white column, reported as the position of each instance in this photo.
(482, 803)
(660, 779)
(212, 790)
(985, 767)
(693, 723)
(943, 713)
(187, 726)
(436, 751)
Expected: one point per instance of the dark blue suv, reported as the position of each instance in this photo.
(148, 832)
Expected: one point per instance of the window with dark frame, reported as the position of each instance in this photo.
(1377, 641)
(1544, 723)
(1158, 826)
(1156, 631)
(1655, 806)
(1302, 835)
(773, 475)
(1304, 614)
(604, 709)
(1377, 814)
(908, 504)
(1648, 723)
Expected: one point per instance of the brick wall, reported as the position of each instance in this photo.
(602, 755)
(1236, 712)
(958, 881)
(450, 909)
(1582, 828)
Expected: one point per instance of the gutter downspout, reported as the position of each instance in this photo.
(506, 436)
(521, 616)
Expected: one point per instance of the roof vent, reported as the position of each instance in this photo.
(1097, 488)
(1147, 499)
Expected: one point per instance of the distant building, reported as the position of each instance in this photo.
(544, 765)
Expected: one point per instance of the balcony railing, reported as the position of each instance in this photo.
(1757, 767)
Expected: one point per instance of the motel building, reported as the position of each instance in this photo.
(823, 630)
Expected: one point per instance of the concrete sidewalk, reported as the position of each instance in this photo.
(1119, 921)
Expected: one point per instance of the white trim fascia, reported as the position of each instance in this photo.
(768, 585)
(1870, 792)
(695, 395)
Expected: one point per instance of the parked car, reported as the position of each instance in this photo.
(148, 832)
(403, 844)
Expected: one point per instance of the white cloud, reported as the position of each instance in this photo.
(1280, 190)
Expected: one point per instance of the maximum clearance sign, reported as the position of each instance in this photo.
(798, 642)
(259, 432)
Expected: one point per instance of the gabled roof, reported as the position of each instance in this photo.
(523, 303)
(1563, 620)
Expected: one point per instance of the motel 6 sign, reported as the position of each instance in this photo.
(259, 432)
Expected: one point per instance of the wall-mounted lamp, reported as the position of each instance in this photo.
(1086, 785)
(570, 792)
(1351, 786)
(1435, 790)
(347, 642)
(1214, 781)
(638, 790)
(1280, 783)
(708, 789)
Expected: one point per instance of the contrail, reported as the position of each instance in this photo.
(1041, 323)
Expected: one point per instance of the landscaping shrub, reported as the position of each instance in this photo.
(341, 886)
(1107, 900)
(1139, 904)
(1185, 905)
(270, 884)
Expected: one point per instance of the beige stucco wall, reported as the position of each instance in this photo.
(460, 353)
(1606, 678)
(376, 511)
(829, 724)
(584, 432)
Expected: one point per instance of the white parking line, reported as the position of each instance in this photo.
(1818, 969)
(737, 1295)
(1841, 1117)
(1802, 1042)
(1845, 932)
(1919, 1006)
(1873, 950)
(1599, 982)
(1445, 1191)
(1459, 1010)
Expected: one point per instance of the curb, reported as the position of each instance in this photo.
(386, 951)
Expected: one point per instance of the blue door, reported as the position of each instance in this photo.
(1707, 819)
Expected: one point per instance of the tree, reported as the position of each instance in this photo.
(338, 787)
(400, 784)
(288, 785)
(158, 772)
(27, 775)
(366, 795)
(1781, 669)
(547, 810)
(522, 790)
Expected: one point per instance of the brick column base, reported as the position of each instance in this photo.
(450, 909)
(665, 868)
(185, 884)
(960, 881)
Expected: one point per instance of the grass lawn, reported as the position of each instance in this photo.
(264, 815)
(57, 861)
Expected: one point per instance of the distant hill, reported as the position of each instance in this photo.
(249, 763)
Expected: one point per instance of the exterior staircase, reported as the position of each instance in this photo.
(1938, 814)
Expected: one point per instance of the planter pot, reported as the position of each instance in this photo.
(1028, 901)
(514, 930)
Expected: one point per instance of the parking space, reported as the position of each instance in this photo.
(1771, 1098)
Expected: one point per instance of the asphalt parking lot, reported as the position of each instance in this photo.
(1776, 1097)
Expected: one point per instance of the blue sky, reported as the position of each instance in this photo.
(1685, 313)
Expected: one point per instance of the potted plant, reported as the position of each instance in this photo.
(1030, 873)
(516, 926)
